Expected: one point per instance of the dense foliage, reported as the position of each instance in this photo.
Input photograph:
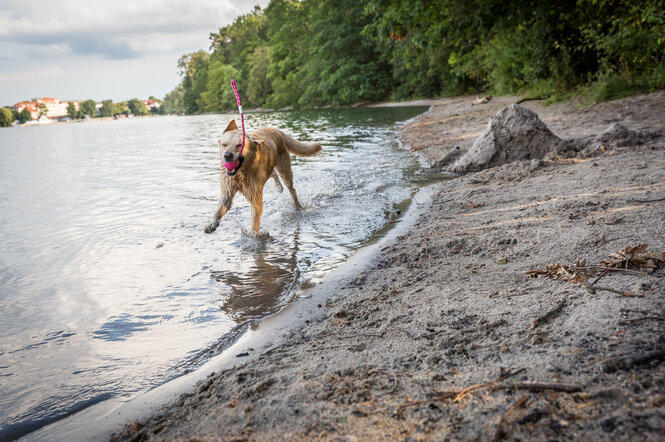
(315, 53)
(6, 117)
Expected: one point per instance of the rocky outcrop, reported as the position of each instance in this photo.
(513, 134)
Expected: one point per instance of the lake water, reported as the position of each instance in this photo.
(108, 285)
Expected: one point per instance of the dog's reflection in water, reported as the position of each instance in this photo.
(264, 288)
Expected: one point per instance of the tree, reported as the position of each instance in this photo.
(107, 108)
(343, 67)
(6, 117)
(72, 112)
(174, 101)
(235, 43)
(194, 68)
(219, 95)
(24, 115)
(88, 107)
(289, 36)
(137, 107)
(120, 108)
(43, 110)
(259, 86)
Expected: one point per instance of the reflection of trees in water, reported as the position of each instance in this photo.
(264, 288)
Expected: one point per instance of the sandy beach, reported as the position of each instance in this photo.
(502, 312)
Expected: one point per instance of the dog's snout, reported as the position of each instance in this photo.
(228, 156)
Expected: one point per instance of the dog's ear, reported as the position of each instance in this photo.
(232, 126)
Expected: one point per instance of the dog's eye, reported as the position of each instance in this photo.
(239, 145)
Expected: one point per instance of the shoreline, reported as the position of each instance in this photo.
(100, 420)
(444, 304)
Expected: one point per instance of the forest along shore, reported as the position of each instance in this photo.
(527, 301)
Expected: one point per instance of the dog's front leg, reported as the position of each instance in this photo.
(222, 207)
(257, 212)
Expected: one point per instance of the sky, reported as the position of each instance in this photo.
(103, 49)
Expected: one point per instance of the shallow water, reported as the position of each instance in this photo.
(108, 285)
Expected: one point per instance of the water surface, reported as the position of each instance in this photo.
(108, 285)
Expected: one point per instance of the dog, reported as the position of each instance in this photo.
(265, 154)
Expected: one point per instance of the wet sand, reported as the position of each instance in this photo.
(442, 336)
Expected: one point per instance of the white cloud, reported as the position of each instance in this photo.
(87, 48)
(116, 28)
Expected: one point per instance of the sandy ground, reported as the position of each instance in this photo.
(447, 338)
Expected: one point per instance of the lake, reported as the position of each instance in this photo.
(108, 285)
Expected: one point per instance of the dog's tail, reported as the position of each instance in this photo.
(299, 148)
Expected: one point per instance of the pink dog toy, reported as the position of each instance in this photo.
(233, 165)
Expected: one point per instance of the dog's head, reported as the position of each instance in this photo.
(231, 146)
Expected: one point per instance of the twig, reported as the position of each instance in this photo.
(613, 269)
(342, 334)
(645, 318)
(529, 99)
(526, 385)
(500, 432)
(597, 279)
(619, 292)
(459, 395)
(549, 315)
(468, 390)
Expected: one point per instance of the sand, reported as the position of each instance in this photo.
(445, 337)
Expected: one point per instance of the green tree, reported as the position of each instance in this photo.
(235, 43)
(72, 112)
(24, 116)
(306, 53)
(120, 108)
(137, 107)
(219, 94)
(194, 68)
(259, 86)
(289, 37)
(43, 110)
(343, 66)
(174, 101)
(6, 117)
(88, 107)
(107, 108)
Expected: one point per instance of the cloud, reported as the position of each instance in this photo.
(115, 29)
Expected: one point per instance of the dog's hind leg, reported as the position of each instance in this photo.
(223, 206)
(284, 168)
(280, 189)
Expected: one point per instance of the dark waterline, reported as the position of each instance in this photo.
(108, 286)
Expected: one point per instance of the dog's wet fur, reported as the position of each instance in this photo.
(266, 154)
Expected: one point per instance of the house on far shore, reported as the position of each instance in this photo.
(152, 103)
(44, 120)
(46, 108)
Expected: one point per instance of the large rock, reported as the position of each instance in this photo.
(514, 133)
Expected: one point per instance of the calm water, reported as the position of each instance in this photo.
(108, 285)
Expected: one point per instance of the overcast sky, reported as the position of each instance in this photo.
(100, 49)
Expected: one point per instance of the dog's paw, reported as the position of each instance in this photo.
(209, 229)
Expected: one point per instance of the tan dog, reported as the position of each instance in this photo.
(264, 150)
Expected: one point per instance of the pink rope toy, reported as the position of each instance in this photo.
(231, 166)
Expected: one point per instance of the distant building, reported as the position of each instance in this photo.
(56, 109)
(44, 120)
(152, 103)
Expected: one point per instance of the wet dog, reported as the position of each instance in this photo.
(265, 154)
